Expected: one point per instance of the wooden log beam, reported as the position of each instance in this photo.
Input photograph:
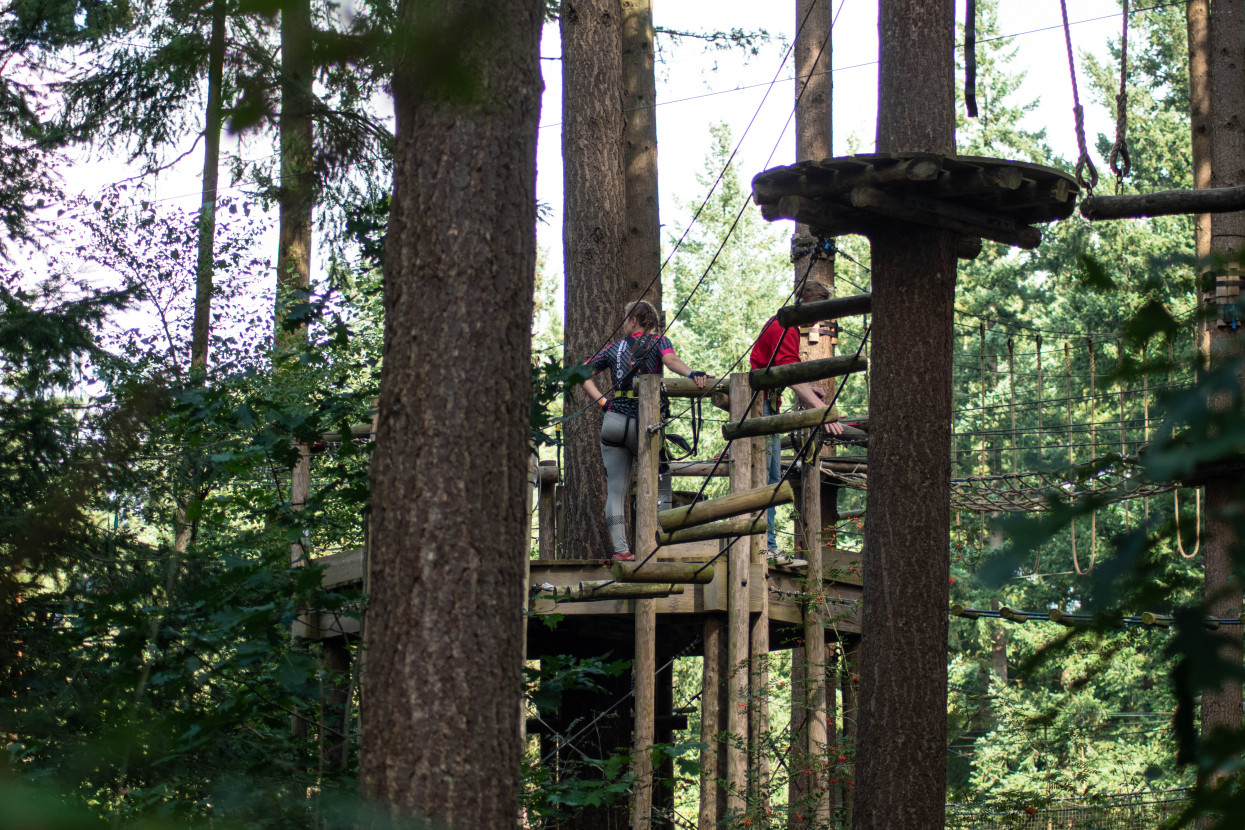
(824, 217)
(884, 204)
(776, 377)
(700, 468)
(1164, 203)
(686, 387)
(599, 589)
(832, 309)
(782, 422)
(697, 573)
(746, 501)
(974, 182)
(726, 529)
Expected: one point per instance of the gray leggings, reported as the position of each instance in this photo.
(618, 449)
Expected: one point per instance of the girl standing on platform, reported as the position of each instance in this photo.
(643, 352)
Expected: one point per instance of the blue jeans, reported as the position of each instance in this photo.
(773, 468)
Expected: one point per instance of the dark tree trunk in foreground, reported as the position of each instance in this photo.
(593, 221)
(1221, 707)
(901, 759)
(642, 257)
(448, 537)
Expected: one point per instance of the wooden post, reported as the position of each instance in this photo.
(334, 704)
(711, 721)
(849, 685)
(300, 555)
(814, 648)
(758, 676)
(645, 667)
(545, 548)
(739, 560)
(797, 781)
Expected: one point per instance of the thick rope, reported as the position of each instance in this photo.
(1084, 162)
(1119, 161)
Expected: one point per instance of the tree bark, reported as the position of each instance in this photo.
(642, 259)
(207, 205)
(445, 650)
(594, 218)
(901, 764)
(296, 193)
(1221, 706)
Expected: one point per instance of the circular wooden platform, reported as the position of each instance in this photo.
(976, 197)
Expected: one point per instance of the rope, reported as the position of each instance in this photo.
(1120, 162)
(1084, 162)
(1197, 493)
(970, 57)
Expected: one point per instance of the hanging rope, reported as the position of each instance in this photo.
(1084, 163)
(1119, 161)
(1197, 494)
(1011, 374)
(970, 58)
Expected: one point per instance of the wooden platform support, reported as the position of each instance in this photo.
(814, 744)
(737, 628)
(807, 313)
(545, 512)
(698, 573)
(758, 652)
(644, 668)
(776, 377)
(726, 529)
(712, 722)
(782, 422)
(737, 503)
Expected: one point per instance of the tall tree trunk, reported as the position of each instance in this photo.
(594, 218)
(642, 252)
(296, 193)
(190, 476)
(207, 207)
(1197, 17)
(813, 140)
(448, 542)
(901, 763)
(1221, 707)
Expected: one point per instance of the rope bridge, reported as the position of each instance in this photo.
(1113, 478)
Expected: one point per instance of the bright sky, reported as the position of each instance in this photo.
(697, 88)
(691, 95)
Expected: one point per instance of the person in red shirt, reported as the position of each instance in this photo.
(779, 346)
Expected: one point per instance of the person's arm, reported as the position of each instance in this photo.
(674, 364)
(595, 394)
(813, 398)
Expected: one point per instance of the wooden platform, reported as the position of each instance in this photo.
(976, 197)
(782, 583)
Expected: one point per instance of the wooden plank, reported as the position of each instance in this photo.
(686, 387)
(735, 504)
(341, 569)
